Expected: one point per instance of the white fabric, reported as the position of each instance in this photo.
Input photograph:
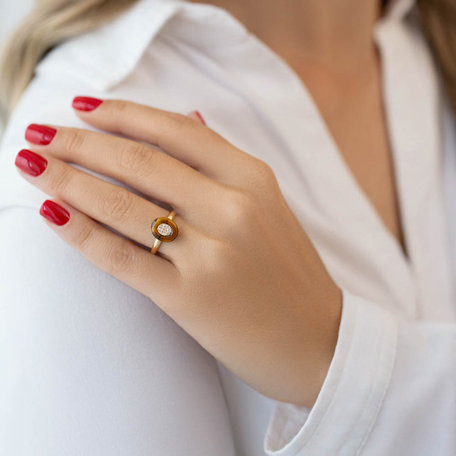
(91, 367)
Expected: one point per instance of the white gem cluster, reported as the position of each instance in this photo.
(164, 229)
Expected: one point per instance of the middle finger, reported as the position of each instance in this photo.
(152, 172)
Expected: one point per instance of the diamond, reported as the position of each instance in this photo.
(164, 229)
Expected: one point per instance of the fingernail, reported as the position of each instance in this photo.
(86, 103)
(30, 163)
(54, 212)
(197, 113)
(40, 134)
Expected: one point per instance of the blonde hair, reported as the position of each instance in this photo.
(438, 18)
(49, 23)
(54, 21)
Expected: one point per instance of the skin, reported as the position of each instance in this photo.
(330, 47)
(247, 299)
(269, 311)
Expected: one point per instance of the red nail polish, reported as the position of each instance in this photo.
(30, 163)
(200, 117)
(86, 103)
(54, 212)
(40, 134)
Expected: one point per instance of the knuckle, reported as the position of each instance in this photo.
(59, 179)
(116, 111)
(118, 107)
(74, 140)
(120, 257)
(177, 120)
(83, 237)
(135, 158)
(116, 205)
(239, 205)
(263, 172)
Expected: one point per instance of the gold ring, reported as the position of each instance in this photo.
(164, 229)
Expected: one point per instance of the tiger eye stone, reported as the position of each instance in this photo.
(164, 229)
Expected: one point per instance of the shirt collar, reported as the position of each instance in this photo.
(104, 57)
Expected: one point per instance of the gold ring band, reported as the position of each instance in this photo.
(164, 229)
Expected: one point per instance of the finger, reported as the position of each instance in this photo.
(188, 141)
(138, 268)
(126, 212)
(144, 168)
(195, 115)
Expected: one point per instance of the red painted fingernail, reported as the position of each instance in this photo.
(200, 117)
(40, 134)
(86, 103)
(30, 163)
(54, 212)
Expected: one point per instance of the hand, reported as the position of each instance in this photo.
(241, 277)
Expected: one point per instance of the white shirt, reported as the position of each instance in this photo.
(92, 367)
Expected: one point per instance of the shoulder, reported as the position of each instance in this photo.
(93, 63)
(103, 57)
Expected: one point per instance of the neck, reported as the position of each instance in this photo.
(334, 33)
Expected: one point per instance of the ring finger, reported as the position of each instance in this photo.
(122, 210)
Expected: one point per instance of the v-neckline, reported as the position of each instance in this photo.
(305, 122)
(356, 188)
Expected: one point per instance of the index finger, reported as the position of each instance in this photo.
(190, 142)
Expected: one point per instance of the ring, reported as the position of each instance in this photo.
(164, 229)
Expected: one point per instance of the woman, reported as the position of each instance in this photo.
(300, 232)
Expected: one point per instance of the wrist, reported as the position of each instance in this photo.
(323, 352)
